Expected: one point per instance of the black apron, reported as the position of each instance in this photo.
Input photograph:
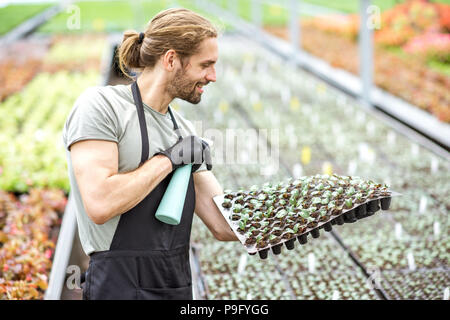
(148, 259)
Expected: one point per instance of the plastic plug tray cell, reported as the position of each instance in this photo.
(328, 227)
(373, 206)
(340, 220)
(290, 244)
(303, 239)
(277, 249)
(385, 203)
(361, 211)
(315, 233)
(263, 253)
(350, 217)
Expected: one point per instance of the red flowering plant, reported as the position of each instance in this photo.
(444, 16)
(27, 241)
(405, 21)
(435, 46)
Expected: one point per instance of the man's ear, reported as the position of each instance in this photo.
(170, 60)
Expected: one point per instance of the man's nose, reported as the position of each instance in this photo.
(211, 75)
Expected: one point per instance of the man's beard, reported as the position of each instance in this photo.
(183, 88)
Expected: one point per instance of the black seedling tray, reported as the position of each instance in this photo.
(357, 212)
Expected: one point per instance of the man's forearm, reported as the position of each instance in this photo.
(123, 191)
(227, 234)
(206, 188)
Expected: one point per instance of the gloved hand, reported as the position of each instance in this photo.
(190, 150)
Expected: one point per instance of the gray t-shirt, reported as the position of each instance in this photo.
(109, 113)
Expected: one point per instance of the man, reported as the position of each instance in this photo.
(123, 144)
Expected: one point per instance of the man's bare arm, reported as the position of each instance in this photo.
(105, 192)
(207, 187)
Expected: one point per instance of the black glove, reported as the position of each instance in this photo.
(190, 150)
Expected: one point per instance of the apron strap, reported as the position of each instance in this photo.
(175, 125)
(140, 111)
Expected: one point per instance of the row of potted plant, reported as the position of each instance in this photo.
(424, 285)
(410, 254)
(28, 234)
(31, 149)
(417, 83)
(332, 286)
(256, 286)
(23, 59)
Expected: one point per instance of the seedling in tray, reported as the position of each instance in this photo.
(265, 218)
